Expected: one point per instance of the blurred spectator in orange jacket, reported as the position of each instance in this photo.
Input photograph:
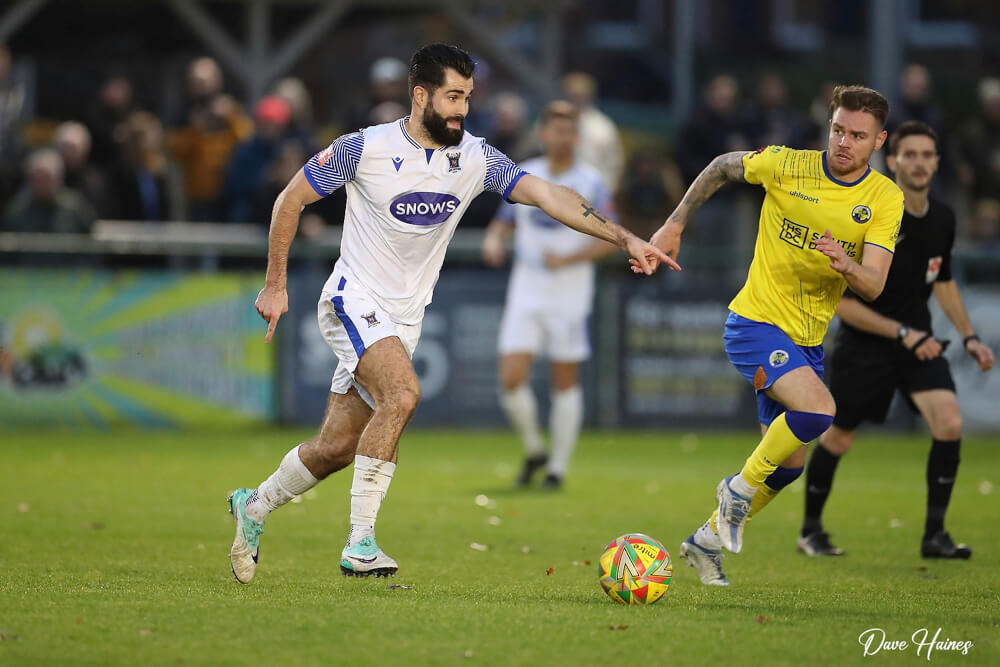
(214, 126)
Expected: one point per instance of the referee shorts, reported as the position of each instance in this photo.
(867, 370)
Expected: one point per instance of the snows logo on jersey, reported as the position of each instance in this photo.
(424, 208)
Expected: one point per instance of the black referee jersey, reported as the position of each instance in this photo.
(922, 257)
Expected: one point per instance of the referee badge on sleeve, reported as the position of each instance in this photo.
(933, 269)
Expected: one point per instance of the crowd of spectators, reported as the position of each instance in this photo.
(214, 160)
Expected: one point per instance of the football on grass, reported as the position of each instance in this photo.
(635, 569)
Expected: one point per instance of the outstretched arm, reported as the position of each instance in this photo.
(725, 168)
(951, 302)
(595, 251)
(272, 302)
(571, 209)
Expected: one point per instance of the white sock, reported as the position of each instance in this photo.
(522, 411)
(564, 423)
(371, 481)
(292, 478)
(707, 538)
(742, 487)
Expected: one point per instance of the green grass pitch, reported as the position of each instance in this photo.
(114, 550)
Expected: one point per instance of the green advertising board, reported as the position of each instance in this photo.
(147, 348)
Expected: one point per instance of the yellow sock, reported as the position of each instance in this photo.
(777, 445)
(764, 495)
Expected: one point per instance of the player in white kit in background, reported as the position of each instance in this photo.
(549, 299)
(408, 183)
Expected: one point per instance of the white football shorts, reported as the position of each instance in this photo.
(559, 337)
(351, 322)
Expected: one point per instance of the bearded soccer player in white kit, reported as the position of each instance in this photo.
(549, 299)
(408, 184)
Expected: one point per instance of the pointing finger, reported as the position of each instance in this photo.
(271, 324)
(665, 258)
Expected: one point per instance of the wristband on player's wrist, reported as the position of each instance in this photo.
(902, 332)
(965, 341)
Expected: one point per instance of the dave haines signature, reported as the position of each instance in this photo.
(874, 640)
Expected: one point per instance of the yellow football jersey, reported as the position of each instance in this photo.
(790, 284)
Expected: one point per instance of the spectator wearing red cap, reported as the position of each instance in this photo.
(252, 159)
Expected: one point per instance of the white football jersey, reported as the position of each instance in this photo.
(403, 204)
(568, 289)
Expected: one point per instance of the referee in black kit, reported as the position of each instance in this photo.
(888, 345)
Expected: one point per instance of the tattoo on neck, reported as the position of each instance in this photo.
(590, 210)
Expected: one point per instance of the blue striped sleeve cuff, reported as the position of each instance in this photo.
(336, 164)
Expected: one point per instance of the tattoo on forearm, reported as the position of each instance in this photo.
(726, 167)
(590, 210)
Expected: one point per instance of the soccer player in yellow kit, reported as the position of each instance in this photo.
(828, 221)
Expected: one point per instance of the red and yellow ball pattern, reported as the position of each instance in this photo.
(635, 569)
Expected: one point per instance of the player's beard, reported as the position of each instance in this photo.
(437, 127)
(839, 170)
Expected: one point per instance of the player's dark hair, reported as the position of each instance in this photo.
(909, 129)
(560, 109)
(859, 98)
(429, 63)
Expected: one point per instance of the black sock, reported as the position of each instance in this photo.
(942, 466)
(819, 480)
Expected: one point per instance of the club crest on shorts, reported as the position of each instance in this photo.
(453, 164)
(370, 319)
(861, 214)
(778, 358)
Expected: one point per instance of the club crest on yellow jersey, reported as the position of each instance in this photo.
(861, 214)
